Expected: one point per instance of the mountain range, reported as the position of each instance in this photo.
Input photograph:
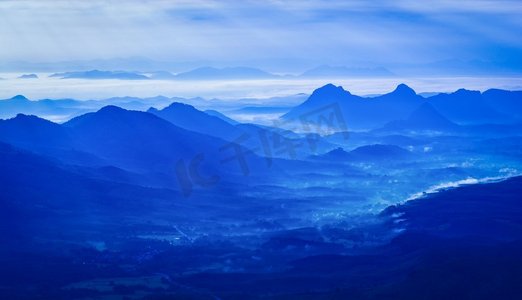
(359, 112)
(97, 74)
(226, 73)
(132, 140)
(28, 76)
(399, 108)
(461, 107)
(171, 201)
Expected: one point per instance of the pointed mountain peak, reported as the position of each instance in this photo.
(152, 110)
(19, 98)
(404, 90)
(330, 90)
(464, 92)
(180, 106)
(110, 114)
(110, 109)
(30, 119)
(335, 154)
(337, 151)
(21, 116)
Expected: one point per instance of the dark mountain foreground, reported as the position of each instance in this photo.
(463, 243)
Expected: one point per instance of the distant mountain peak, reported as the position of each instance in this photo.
(110, 109)
(21, 116)
(403, 89)
(467, 92)
(97, 74)
(30, 119)
(331, 86)
(190, 118)
(19, 98)
(330, 90)
(335, 154)
(179, 105)
(176, 107)
(115, 117)
(28, 76)
(337, 151)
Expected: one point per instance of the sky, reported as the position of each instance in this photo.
(274, 35)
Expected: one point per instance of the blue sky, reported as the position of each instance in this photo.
(271, 34)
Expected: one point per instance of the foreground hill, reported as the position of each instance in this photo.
(489, 213)
(45, 199)
(458, 244)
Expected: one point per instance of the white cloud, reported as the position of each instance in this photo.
(226, 31)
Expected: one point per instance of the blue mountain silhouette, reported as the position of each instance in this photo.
(137, 139)
(97, 74)
(40, 190)
(462, 107)
(466, 107)
(188, 117)
(250, 135)
(505, 102)
(359, 112)
(31, 132)
(132, 140)
(28, 76)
